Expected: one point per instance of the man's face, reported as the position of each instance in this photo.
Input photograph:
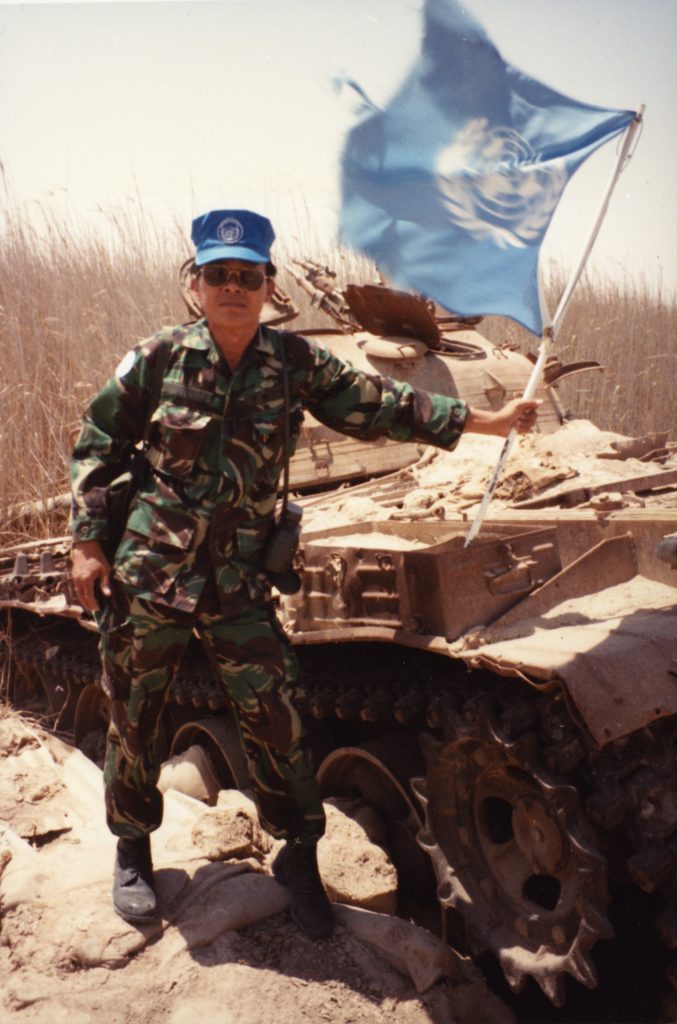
(230, 304)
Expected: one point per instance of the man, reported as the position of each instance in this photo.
(190, 558)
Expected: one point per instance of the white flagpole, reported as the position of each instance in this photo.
(623, 156)
(550, 330)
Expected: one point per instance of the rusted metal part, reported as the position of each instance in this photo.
(615, 654)
(570, 496)
(636, 447)
(610, 562)
(377, 774)
(47, 659)
(383, 311)
(59, 546)
(359, 576)
(636, 782)
(220, 740)
(320, 284)
(386, 313)
(556, 371)
(39, 579)
(459, 589)
(667, 550)
(91, 722)
(325, 457)
(449, 322)
(579, 530)
(511, 847)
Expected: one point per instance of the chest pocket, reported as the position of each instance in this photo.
(177, 438)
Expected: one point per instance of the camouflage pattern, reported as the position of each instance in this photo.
(216, 446)
(190, 556)
(141, 647)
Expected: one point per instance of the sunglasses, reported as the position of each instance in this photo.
(216, 274)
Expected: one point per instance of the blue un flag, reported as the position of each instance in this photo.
(451, 188)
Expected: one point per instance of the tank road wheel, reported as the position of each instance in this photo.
(91, 723)
(92, 714)
(513, 854)
(218, 738)
(378, 773)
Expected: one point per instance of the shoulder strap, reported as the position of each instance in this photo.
(281, 335)
(161, 362)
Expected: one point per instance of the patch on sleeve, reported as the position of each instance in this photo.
(125, 364)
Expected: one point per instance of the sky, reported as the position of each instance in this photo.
(180, 107)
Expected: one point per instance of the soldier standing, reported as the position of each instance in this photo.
(190, 558)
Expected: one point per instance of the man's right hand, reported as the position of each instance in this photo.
(90, 566)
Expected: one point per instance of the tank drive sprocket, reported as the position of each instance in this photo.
(512, 850)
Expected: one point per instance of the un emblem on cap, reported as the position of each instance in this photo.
(229, 231)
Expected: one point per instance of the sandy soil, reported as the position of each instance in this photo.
(225, 950)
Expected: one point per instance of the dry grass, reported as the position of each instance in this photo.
(72, 303)
(70, 306)
(630, 328)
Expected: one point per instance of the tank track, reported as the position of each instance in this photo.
(534, 771)
(63, 659)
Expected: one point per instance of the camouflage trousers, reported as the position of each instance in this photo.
(141, 647)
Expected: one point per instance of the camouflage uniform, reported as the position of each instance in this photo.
(189, 559)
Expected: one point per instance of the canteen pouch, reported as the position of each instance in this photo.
(278, 556)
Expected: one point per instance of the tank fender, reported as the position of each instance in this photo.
(614, 651)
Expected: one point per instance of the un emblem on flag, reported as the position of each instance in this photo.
(494, 187)
(229, 231)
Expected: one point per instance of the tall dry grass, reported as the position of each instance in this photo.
(630, 328)
(72, 302)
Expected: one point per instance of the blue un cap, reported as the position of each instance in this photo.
(232, 235)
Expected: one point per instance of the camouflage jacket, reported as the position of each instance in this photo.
(216, 448)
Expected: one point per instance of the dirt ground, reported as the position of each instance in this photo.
(225, 950)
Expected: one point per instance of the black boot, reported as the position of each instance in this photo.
(296, 867)
(133, 887)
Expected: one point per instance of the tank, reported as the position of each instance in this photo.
(508, 707)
